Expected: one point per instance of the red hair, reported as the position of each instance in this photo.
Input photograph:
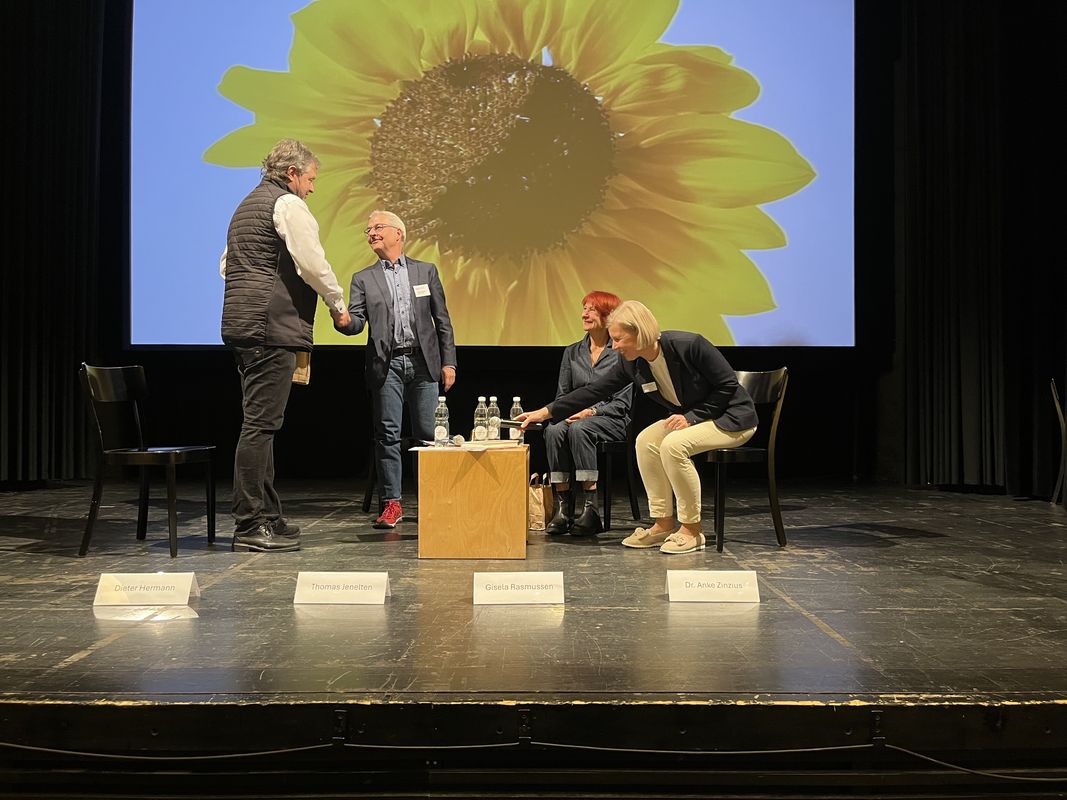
(603, 302)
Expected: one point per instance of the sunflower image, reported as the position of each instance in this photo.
(536, 149)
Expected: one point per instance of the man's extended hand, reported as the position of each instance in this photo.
(448, 377)
(341, 319)
(540, 415)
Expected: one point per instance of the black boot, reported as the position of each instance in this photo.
(588, 522)
(564, 516)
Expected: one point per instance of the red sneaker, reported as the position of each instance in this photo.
(391, 514)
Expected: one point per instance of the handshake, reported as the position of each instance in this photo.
(341, 318)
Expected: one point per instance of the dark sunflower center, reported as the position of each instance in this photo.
(493, 155)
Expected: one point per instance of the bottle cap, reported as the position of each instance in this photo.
(481, 398)
(516, 399)
(441, 399)
(492, 398)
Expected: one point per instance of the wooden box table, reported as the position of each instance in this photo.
(472, 501)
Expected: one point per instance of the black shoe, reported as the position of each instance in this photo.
(562, 519)
(588, 522)
(283, 528)
(263, 539)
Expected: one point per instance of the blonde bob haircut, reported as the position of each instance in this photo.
(635, 318)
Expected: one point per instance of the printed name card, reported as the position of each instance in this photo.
(342, 588)
(146, 589)
(712, 586)
(515, 588)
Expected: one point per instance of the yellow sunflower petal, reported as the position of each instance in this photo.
(724, 161)
(519, 26)
(697, 79)
(283, 95)
(244, 147)
(376, 42)
(598, 37)
(747, 227)
(544, 307)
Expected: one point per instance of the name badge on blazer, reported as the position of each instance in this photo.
(649, 387)
(421, 289)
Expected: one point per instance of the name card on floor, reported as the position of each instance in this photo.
(516, 588)
(342, 588)
(146, 589)
(712, 586)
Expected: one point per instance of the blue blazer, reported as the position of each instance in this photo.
(371, 304)
(705, 383)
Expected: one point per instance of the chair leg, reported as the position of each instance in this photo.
(142, 506)
(172, 511)
(631, 484)
(94, 507)
(720, 506)
(776, 510)
(606, 479)
(210, 487)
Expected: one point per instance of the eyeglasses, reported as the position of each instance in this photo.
(378, 228)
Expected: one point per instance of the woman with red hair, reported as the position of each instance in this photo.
(571, 443)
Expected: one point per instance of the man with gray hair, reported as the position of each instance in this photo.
(274, 267)
(410, 347)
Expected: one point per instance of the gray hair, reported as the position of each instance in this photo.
(393, 220)
(288, 153)
(635, 318)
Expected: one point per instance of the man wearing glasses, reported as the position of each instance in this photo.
(410, 348)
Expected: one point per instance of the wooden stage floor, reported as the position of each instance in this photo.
(903, 622)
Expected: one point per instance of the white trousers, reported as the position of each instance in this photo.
(663, 458)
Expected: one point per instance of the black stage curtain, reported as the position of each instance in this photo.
(61, 287)
(982, 280)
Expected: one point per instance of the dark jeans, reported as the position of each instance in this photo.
(571, 447)
(266, 378)
(408, 380)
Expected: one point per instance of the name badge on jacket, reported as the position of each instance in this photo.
(649, 387)
(421, 289)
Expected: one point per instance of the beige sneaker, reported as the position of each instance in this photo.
(643, 537)
(679, 542)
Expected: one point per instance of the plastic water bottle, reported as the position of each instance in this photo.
(481, 421)
(494, 418)
(440, 423)
(516, 409)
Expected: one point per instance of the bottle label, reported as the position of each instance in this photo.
(480, 433)
(515, 433)
(440, 433)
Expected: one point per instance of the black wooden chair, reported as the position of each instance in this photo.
(1058, 487)
(115, 397)
(605, 452)
(768, 392)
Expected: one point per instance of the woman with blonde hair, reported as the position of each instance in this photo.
(707, 410)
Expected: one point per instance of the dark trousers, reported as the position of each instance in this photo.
(266, 378)
(571, 447)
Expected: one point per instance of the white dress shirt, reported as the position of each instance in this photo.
(300, 231)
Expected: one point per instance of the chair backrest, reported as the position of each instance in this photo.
(115, 395)
(767, 389)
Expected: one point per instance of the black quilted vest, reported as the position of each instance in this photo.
(265, 301)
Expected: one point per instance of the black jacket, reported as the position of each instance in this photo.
(705, 383)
